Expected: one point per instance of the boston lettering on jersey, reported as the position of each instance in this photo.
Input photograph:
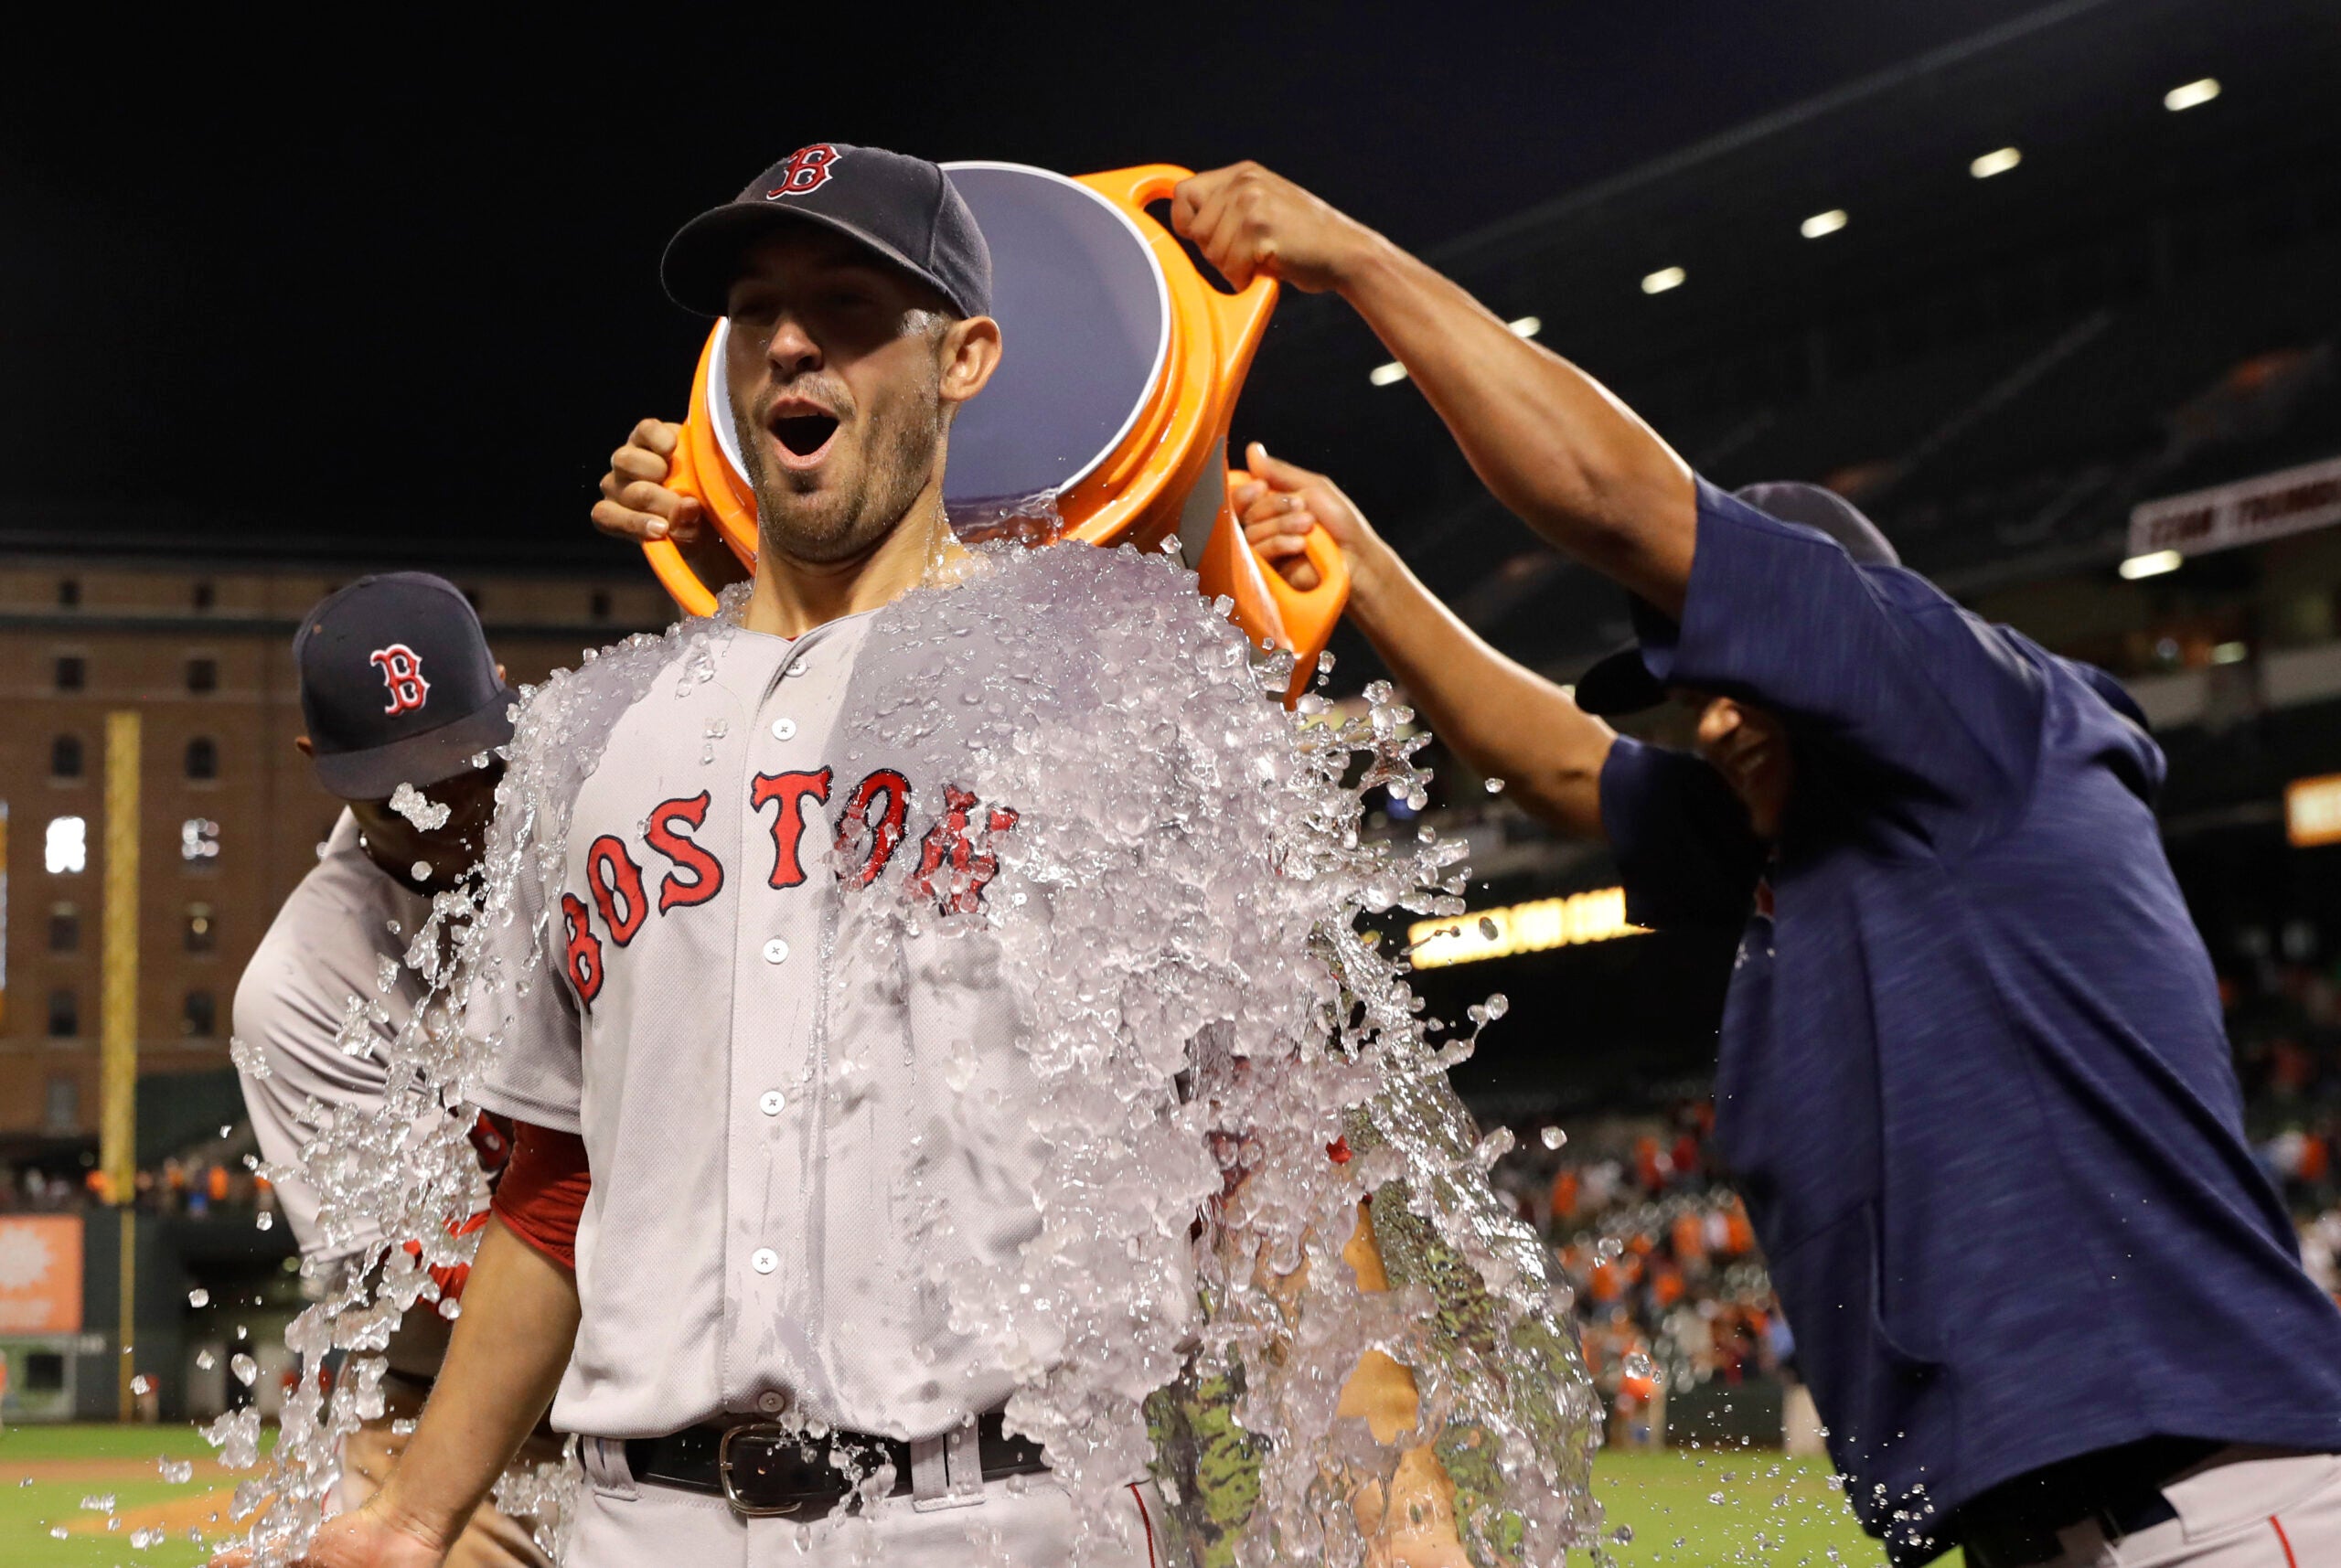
(956, 858)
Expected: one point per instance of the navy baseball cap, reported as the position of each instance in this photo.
(1622, 683)
(905, 208)
(397, 685)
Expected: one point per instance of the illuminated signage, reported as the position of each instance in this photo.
(1521, 928)
(2313, 811)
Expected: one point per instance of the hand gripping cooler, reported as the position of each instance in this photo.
(1119, 375)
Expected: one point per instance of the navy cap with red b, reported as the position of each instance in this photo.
(397, 685)
(905, 208)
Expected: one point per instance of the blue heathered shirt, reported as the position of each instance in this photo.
(1973, 1082)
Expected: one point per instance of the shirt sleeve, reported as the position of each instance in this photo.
(543, 1193)
(1685, 849)
(522, 1007)
(290, 1007)
(1870, 663)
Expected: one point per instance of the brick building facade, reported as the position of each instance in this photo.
(231, 818)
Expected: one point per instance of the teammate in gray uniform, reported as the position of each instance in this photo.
(397, 687)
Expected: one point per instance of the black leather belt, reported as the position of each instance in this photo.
(764, 1468)
(2016, 1523)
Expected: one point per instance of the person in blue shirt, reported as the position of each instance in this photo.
(1972, 1078)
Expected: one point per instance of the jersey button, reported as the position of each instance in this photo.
(771, 1402)
(764, 1260)
(783, 728)
(771, 1101)
(775, 951)
(799, 667)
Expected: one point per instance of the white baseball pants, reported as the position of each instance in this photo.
(622, 1524)
(2240, 1509)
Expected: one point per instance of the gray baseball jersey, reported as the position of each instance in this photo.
(753, 1072)
(326, 945)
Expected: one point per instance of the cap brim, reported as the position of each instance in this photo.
(702, 261)
(1620, 683)
(430, 758)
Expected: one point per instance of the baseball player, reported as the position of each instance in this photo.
(397, 687)
(689, 1245)
(1972, 1078)
(699, 1245)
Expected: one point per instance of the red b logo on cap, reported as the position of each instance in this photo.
(807, 170)
(401, 669)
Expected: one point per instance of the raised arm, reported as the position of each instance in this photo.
(1546, 439)
(1503, 719)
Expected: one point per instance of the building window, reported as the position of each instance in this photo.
(64, 928)
(197, 1014)
(202, 675)
(204, 596)
(64, 1015)
(601, 603)
(65, 848)
(203, 758)
(200, 932)
(65, 757)
(70, 672)
(61, 1114)
(69, 592)
(199, 839)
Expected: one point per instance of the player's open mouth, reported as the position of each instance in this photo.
(804, 437)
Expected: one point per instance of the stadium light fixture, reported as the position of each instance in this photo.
(1821, 223)
(1526, 326)
(2152, 564)
(1665, 277)
(1998, 162)
(2192, 94)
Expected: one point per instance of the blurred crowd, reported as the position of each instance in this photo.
(1656, 1255)
(2284, 1019)
(216, 1173)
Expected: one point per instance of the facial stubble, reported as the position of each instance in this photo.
(820, 527)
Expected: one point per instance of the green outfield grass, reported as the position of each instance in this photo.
(67, 1465)
(1774, 1512)
(1753, 1507)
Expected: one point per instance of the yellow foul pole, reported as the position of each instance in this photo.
(118, 1015)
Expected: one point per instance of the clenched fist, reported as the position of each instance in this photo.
(1282, 502)
(636, 503)
(1250, 223)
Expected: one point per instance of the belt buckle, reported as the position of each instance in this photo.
(771, 1431)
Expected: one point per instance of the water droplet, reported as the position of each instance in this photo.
(1554, 1137)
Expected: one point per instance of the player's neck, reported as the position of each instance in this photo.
(791, 597)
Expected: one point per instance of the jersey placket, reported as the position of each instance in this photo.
(779, 971)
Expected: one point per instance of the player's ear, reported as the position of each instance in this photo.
(302, 744)
(968, 354)
(499, 674)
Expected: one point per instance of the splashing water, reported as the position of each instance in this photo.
(1177, 915)
(419, 808)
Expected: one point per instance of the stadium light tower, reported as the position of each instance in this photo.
(1821, 223)
(1665, 277)
(1998, 162)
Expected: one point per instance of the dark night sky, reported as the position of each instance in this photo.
(400, 275)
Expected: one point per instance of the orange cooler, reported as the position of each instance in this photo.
(1109, 412)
